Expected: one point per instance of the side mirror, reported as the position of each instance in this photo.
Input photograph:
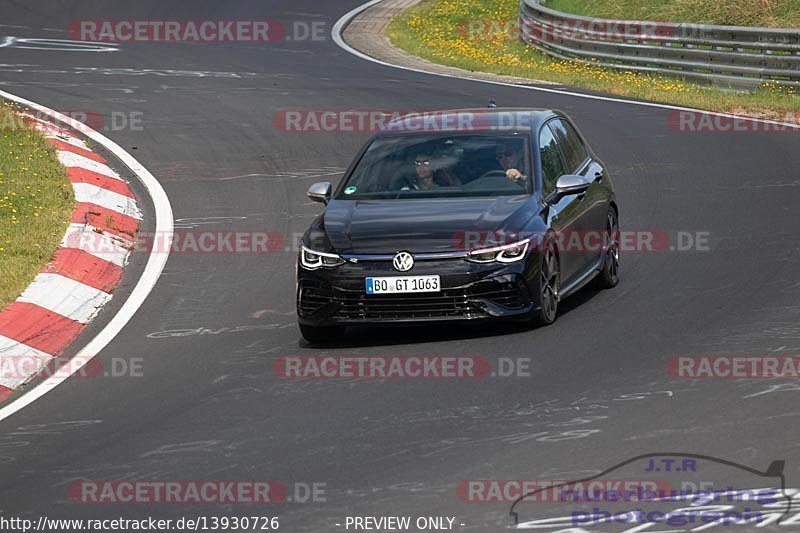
(320, 192)
(570, 184)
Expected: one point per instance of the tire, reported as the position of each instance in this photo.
(609, 275)
(316, 334)
(549, 286)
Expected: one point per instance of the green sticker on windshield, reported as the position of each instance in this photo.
(350, 190)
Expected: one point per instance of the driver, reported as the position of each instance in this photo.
(424, 168)
(509, 158)
(428, 177)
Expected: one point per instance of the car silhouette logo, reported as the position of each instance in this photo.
(403, 262)
(774, 470)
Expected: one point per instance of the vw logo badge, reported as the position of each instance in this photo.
(403, 261)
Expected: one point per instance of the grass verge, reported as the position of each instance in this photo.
(765, 13)
(36, 201)
(439, 30)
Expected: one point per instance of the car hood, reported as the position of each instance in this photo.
(420, 225)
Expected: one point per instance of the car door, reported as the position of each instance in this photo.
(594, 203)
(563, 216)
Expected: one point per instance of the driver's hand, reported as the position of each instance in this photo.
(514, 174)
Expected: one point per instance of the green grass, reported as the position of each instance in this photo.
(437, 30)
(769, 13)
(35, 204)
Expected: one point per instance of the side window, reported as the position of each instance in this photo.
(552, 163)
(571, 145)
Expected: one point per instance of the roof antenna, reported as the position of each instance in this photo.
(492, 104)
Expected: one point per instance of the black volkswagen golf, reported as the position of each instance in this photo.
(459, 215)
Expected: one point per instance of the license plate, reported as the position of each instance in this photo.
(403, 284)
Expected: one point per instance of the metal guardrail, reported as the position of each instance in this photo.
(725, 55)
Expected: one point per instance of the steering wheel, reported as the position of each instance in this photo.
(494, 174)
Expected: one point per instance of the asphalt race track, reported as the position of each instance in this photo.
(208, 405)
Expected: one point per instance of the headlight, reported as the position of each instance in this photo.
(508, 253)
(311, 259)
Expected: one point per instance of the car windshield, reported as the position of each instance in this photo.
(416, 166)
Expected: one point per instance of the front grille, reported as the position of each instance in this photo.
(474, 301)
(446, 304)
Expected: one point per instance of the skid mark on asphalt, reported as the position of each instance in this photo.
(294, 174)
(57, 45)
(208, 446)
(174, 73)
(203, 331)
(783, 387)
(255, 355)
(64, 85)
(235, 394)
(551, 424)
(215, 171)
(56, 428)
(196, 222)
(262, 312)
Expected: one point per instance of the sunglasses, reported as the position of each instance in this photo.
(422, 163)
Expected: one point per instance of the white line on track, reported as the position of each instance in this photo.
(341, 24)
(152, 270)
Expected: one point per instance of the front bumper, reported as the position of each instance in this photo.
(470, 291)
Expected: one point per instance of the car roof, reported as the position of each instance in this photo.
(494, 119)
